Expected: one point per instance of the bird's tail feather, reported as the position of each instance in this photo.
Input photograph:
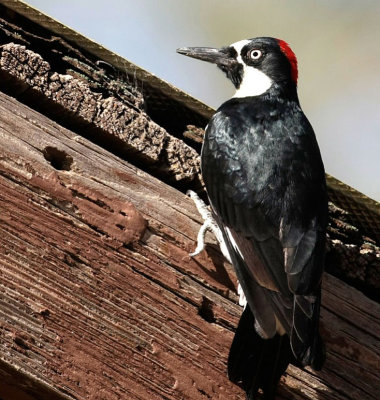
(255, 363)
(306, 342)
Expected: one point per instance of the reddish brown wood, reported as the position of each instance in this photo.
(120, 123)
(100, 299)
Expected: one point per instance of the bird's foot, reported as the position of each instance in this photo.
(209, 224)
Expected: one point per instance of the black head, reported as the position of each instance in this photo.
(254, 66)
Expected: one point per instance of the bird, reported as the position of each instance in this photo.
(265, 182)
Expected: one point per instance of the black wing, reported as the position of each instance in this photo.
(265, 181)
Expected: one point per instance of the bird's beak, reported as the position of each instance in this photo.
(209, 54)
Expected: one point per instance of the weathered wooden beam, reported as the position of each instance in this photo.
(110, 112)
(85, 306)
(106, 110)
(100, 300)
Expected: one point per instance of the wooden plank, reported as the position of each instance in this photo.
(116, 105)
(114, 116)
(162, 93)
(100, 299)
(116, 119)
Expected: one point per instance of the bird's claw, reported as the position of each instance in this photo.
(209, 224)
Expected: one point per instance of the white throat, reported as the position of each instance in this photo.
(254, 81)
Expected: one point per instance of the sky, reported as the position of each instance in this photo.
(336, 42)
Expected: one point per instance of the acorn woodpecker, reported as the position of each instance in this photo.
(265, 181)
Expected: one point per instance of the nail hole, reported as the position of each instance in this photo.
(58, 158)
(206, 310)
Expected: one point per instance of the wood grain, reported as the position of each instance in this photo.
(105, 110)
(115, 119)
(100, 300)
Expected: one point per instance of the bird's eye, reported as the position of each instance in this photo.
(255, 54)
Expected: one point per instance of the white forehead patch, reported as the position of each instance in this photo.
(254, 82)
(238, 46)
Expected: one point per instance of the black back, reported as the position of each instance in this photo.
(266, 183)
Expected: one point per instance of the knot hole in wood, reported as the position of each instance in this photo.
(206, 310)
(59, 159)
